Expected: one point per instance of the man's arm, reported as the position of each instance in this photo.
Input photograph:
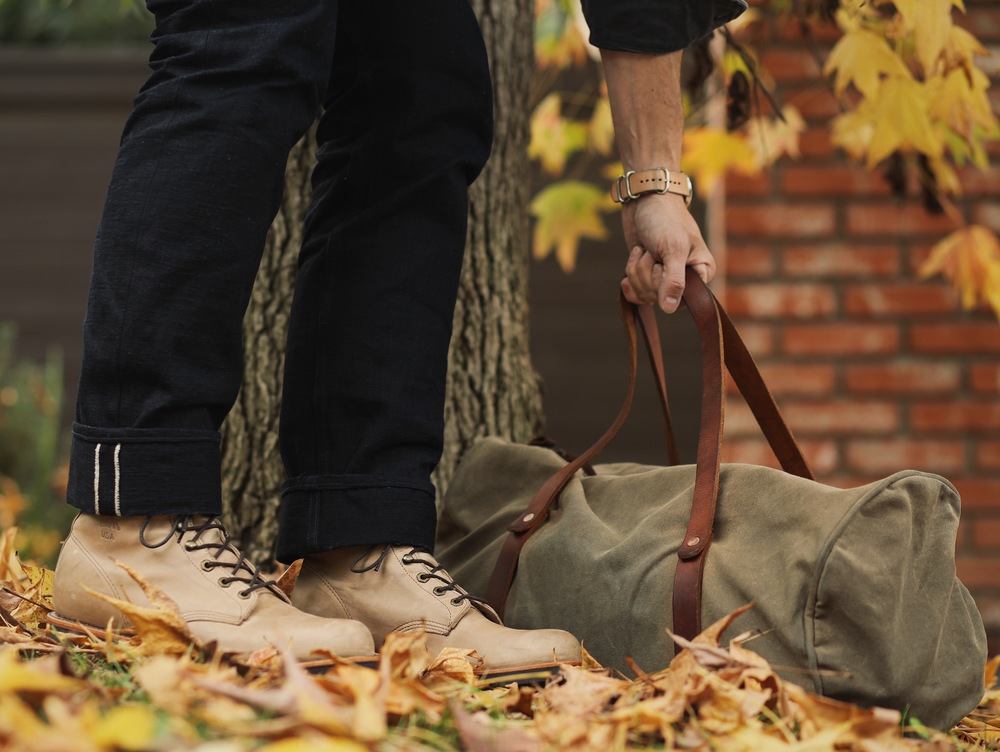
(661, 234)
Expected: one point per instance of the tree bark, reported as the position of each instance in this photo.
(492, 387)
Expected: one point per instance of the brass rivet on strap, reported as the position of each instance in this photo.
(529, 517)
(692, 542)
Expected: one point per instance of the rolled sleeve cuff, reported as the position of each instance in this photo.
(655, 26)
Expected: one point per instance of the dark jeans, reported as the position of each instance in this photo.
(407, 126)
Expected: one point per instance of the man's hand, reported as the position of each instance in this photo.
(663, 238)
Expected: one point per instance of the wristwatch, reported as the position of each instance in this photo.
(636, 183)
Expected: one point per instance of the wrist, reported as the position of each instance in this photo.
(634, 184)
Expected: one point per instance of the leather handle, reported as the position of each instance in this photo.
(721, 343)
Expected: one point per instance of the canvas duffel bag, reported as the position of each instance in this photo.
(855, 590)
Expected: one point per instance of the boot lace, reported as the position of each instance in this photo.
(433, 570)
(242, 570)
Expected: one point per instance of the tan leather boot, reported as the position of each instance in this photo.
(401, 589)
(222, 596)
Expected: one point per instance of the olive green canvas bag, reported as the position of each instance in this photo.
(854, 590)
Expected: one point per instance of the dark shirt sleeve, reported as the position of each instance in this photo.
(655, 26)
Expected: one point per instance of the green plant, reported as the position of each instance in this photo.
(32, 449)
(79, 22)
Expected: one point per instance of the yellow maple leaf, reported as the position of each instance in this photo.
(565, 213)
(930, 23)
(129, 727)
(960, 100)
(970, 259)
(314, 743)
(553, 137)
(709, 153)
(159, 627)
(863, 57)
(771, 138)
(17, 675)
(962, 49)
(901, 120)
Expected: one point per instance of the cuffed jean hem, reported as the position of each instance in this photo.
(326, 512)
(139, 471)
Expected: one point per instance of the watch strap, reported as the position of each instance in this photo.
(637, 183)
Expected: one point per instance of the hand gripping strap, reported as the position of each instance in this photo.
(720, 343)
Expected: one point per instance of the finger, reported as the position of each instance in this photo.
(640, 275)
(702, 260)
(671, 283)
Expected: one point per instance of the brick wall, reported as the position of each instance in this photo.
(875, 369)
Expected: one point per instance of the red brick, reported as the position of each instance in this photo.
(986, 534)
(803, 301)
(874, 300)
(796, 378)
(739, 419)
(987, 214)
(759, 338)
(748, 185)
(815, 102)
(985, 377)
(973, 337)
(983, 22)
(832, 180)
(893, 454)
(749, 452)
(978, 571)
(798, 29)
(821, 456)
(956, 416)
(781, 220)
(841, 417)
(903, 378)
(749, 261)
(791, 64)
(815, 142)
(976, 182)
(979, 493)
(988, 455)
(840, 339)
(895, 220)
(841, 260)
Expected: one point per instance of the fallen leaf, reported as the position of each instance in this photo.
(159, 628)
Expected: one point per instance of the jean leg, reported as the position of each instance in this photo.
(197, 181)
(408, 126)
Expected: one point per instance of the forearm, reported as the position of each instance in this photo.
(645, 94)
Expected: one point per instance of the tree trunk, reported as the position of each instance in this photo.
(492, 387)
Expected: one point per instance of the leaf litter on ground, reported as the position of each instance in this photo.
(157, 689)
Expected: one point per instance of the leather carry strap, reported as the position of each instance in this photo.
(715, 329)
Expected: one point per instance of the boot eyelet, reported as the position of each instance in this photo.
(422, 577)
(456, 601)
(439, 590)
(189, 547)
(407, 559)
(208, 565)
(225, 582)
(244, 594)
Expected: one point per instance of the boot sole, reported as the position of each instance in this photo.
(76, 627)
(521, 675)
